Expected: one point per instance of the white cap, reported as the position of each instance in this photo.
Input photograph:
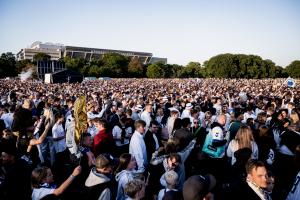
(188, 106)
(138, 107)
(173, 109)
(217, 133)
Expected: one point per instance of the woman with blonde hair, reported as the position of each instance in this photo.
(243, 139)
(294, 116)
(43, 135)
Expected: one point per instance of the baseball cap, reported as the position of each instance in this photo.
(189, 105)
(172, 109)
(138, 107)
(197, 187)
(217, 133)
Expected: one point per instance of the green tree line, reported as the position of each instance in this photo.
(119, 66)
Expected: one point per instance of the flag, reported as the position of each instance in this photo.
(291, 82)
(80, 117)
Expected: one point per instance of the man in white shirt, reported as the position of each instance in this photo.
(146, 115)
(137, 146)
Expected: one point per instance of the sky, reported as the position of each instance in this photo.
(180, 30)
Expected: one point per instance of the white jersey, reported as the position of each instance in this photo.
(295, 191)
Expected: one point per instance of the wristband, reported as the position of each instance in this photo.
(72, 176)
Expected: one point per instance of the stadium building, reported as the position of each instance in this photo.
(57, 51)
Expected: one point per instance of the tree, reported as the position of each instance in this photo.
(7, 65)
(23, 64)
(135, 68)
(75, 64)
(192, 70)
(117, 63)
(156, 70)
(293, 69)
(41, 57)
(94, 71)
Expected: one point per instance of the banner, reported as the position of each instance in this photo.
(80, 117)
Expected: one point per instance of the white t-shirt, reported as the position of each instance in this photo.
(58, 131)
(39, 193)
(117, 133)
(234, 146)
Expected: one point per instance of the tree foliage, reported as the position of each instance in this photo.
(293, 69)
(7, 65)
(241, 66)
(117, 66)
(135, 68)
(41, 57)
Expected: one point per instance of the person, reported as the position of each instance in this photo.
(43, 136)
(137, 146)
(124, 173)
(256, 182)
(152, 140)
(171, 178)
(146, 115)
(295, 191)
(14, 182)
(243, 138)
(42, 183)
(99, 185)
(183, 134)
(157, 181)
(198, 187)
(59, 142)
(135, 189)
(187, 111)
(216, 139)
(214, 147)
(234, 126)
(121, 133)
(174, 114)
(8, 117)
(87, 156)
(103, 140)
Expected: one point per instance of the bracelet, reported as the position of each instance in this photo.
(72, 176)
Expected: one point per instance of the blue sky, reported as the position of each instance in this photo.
(179, 30)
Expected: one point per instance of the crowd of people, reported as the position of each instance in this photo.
(151, 139)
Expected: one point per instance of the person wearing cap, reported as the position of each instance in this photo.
(136, 112)
(99, 185)
(199, 187)
(187, 111)
(215, 144)
(137, 146)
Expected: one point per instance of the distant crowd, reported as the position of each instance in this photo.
(151, 139)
